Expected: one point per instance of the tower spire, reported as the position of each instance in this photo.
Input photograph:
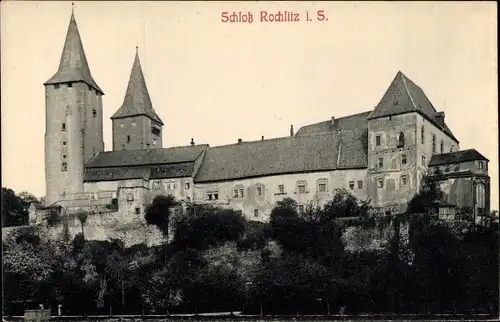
(73, 66)
(137, 100)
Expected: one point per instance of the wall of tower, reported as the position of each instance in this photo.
(392, 183)
(134, 133)
(64, 142)
(91, 107)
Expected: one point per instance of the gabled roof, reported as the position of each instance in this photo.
(295, 154)
(137, 100)
(146, 157)
(73, 66)
(347, 123)
(456, 157)
(404, 96)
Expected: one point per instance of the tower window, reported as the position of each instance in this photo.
(70, 85)
(56, 86)
(63, 126)
(401, 139)
(403, 159)
(96, 92)
(380, 162)
(64, 143)
(360, 184)
(281, 188)
(380, 183)
(422, 134)
(403, 180)
(434, 143)
(256, 212)
(64, 156)
(64, 166)
(480, 164)
(128, 138)
(377, 140)
(442, 146)
(94, 113)
(90, 88)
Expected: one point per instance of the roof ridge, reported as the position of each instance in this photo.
(406, 89)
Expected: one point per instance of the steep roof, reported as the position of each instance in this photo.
(456, 157)
(347, 123)
(318, 152)
(137, 100)
(73, 66)
(146, 157)
(404, 96)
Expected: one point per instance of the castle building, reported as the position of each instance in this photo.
(380, 155)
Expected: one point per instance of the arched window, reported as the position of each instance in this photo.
(442, 146)
(401, 139)
(480, 198)
(422, 134)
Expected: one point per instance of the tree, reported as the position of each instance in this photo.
(158, 213)
(429, 194)
(15, 207)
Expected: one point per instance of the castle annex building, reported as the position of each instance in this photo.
(380, 154)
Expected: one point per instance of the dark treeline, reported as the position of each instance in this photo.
(216, 261)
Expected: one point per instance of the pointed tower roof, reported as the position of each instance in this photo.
(73, 66)
(137, 100)
(404, 96)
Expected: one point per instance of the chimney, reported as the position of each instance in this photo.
(263, 138)
(192, 141)
(439, 116)
(239, 141)
(333, 120)
(291, 130)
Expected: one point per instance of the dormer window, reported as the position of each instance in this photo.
(401, 139)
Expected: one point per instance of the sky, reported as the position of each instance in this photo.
(217, 82)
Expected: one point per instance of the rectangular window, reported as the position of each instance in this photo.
(434, 143)
(424, 163)
(94, 113)
(187, 186)
(240, 193)
(351, 185)
(380, 162)
(64, 143)
(64, 156)
(259, 191)
(360, 184)
(130, 197)
(301, 187)
(422, 135)
(403, 159)
(281, 188)
(56, 86)
(380, 183)
(403, 180)
(212, 195)
(63, 126)
(70, 85)
(301, 208)
(377, 140)
(256, 212)
(480, 164)
(128, 138)
(235, 193)
(64, 166)
(137, 211)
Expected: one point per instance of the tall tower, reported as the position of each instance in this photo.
(136, 124)
(73, 119)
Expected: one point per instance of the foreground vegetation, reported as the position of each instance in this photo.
(295, 264)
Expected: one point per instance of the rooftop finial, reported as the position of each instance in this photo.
(137, 49)
(72, 7)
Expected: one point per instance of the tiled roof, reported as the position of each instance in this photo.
(404, 96)
(456, 157)
(146, 157)
(73, 66)
(137, 100)
(146, 172)
(318, 152)
(347, 123)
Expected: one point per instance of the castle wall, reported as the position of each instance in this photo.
(258, 207)
(394, 182)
